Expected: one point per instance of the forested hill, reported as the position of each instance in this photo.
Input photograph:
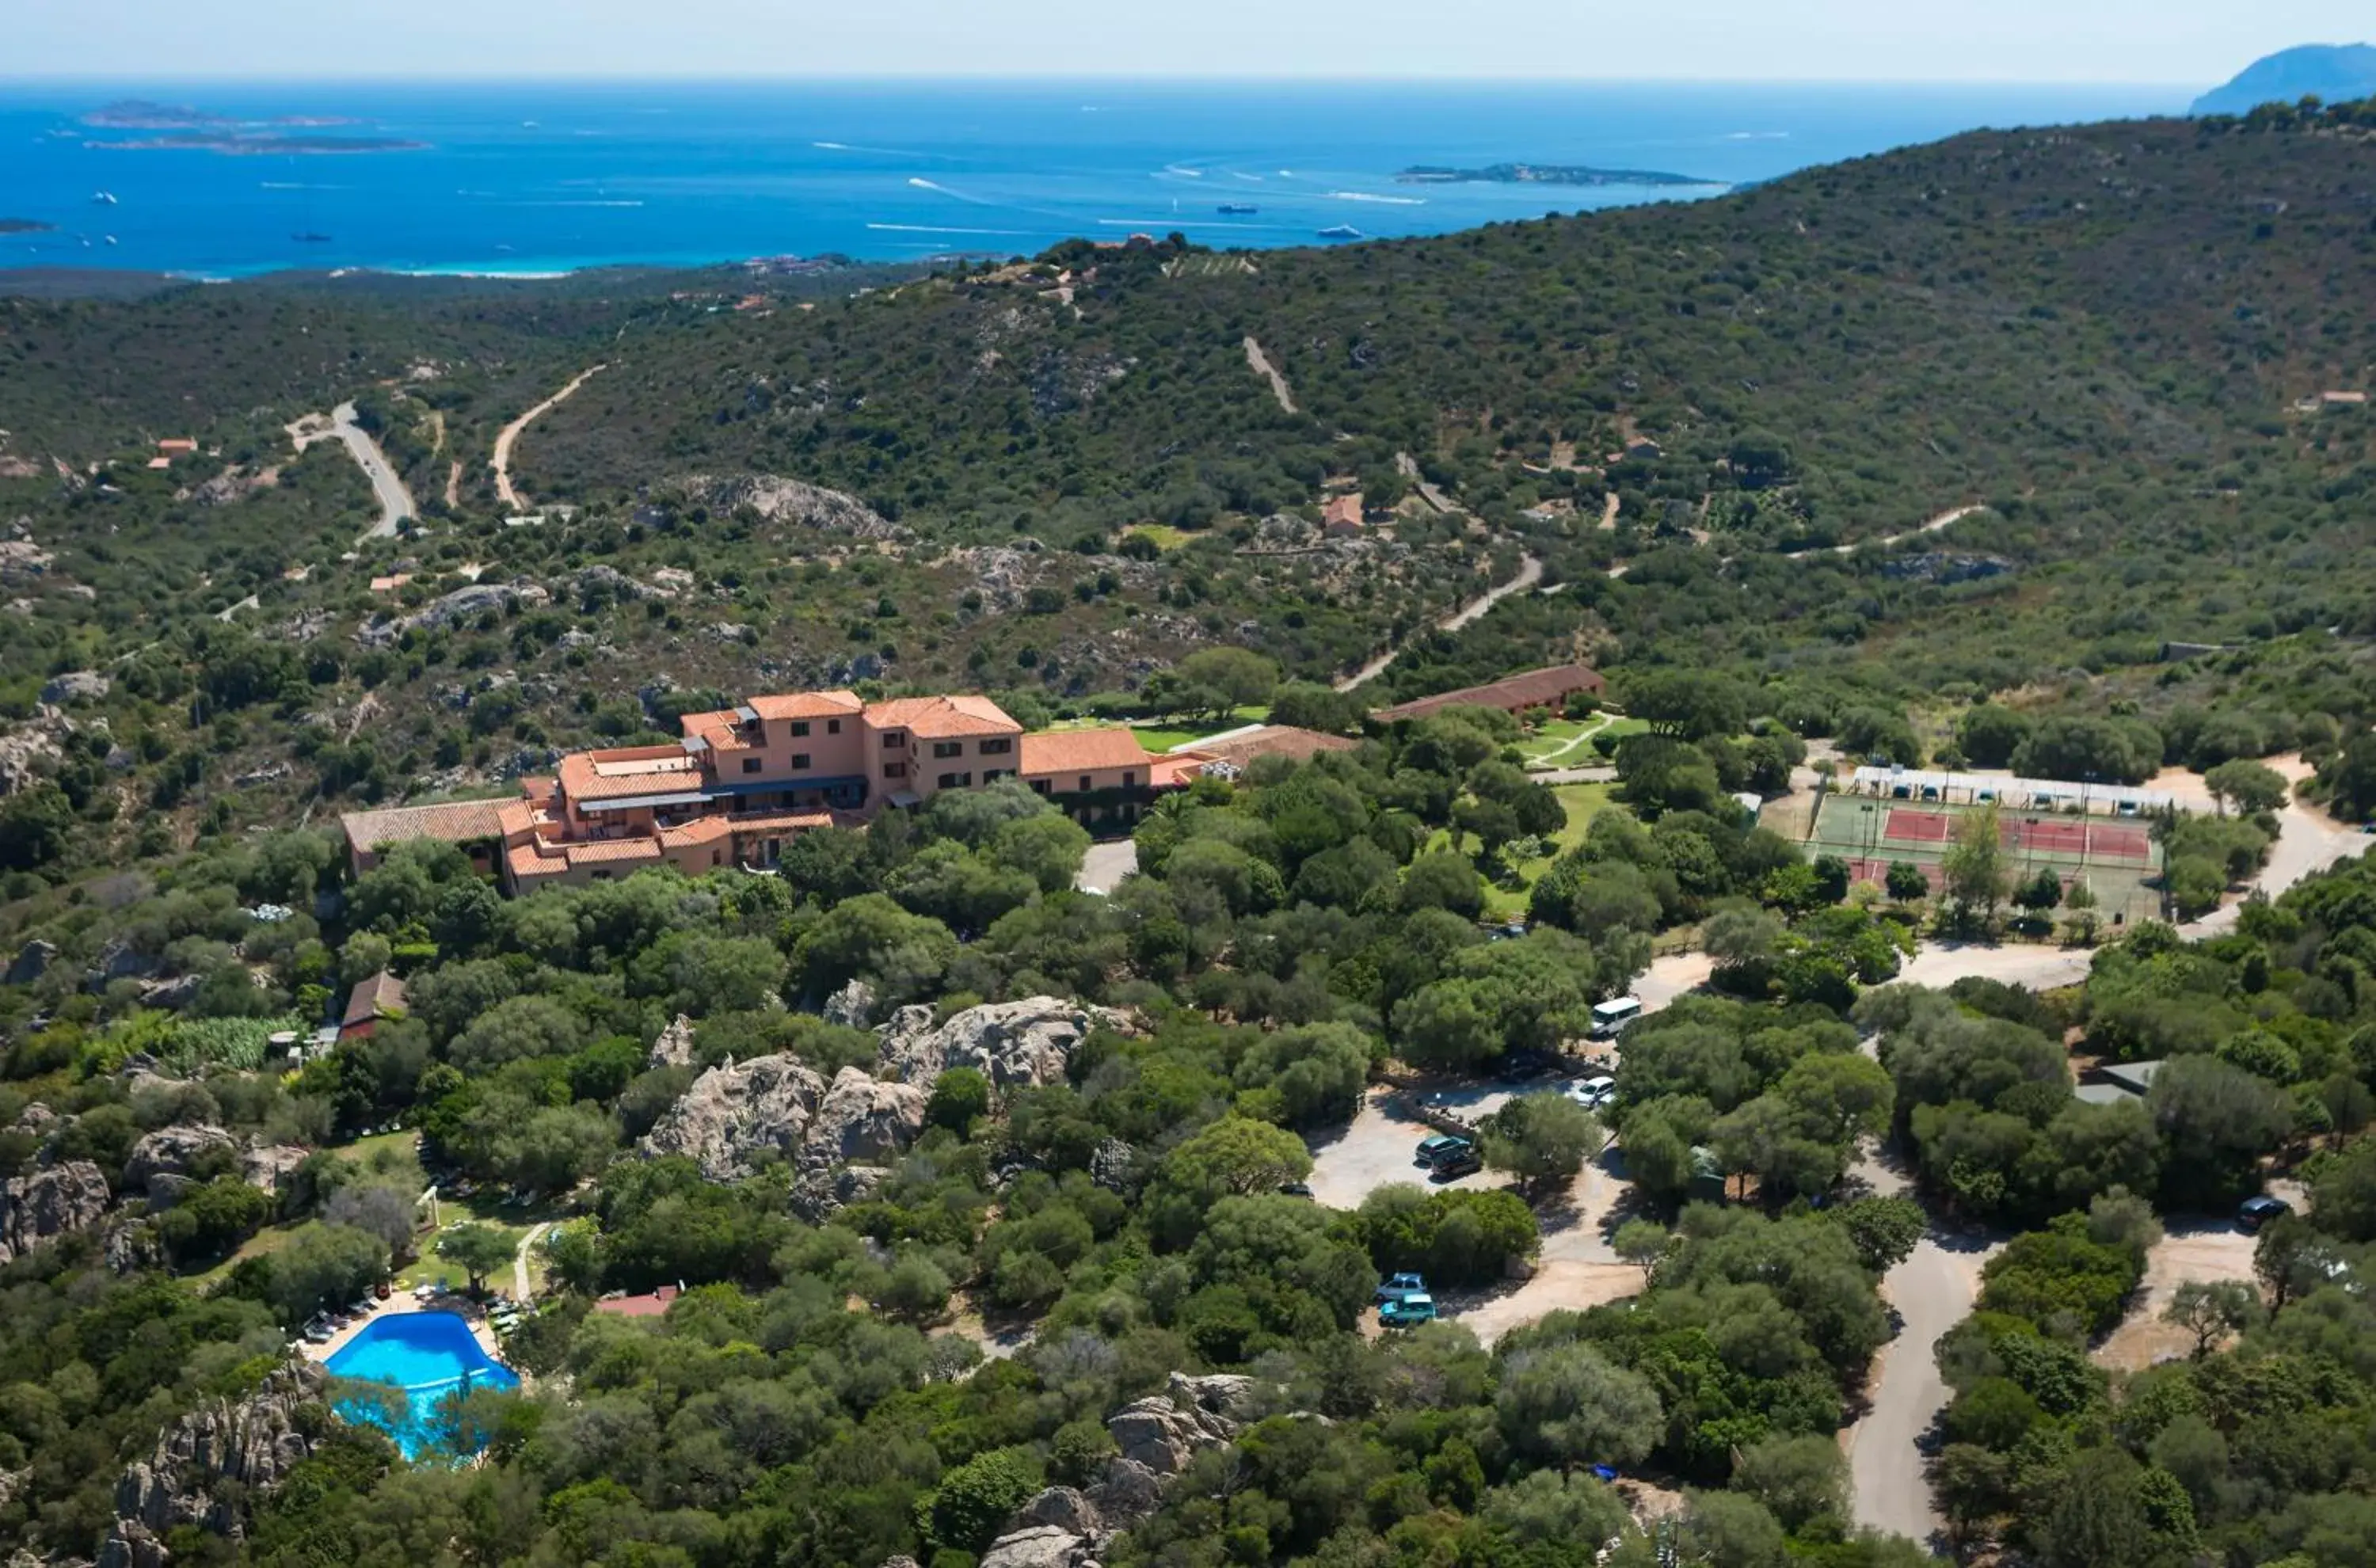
(2129, 358)
(1995, 313)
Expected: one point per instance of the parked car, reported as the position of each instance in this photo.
(1295, 1189)
(1397, 1286)
(1594, 1092)
(1435, 1148)
(2255, 1212)
(1456, 1163)
(1408, 1312)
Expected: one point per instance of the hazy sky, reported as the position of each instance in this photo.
(2090, 40)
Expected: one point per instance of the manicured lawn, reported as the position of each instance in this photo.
(1567, 743)
(403, 1141)
(1584, 802)
(1163, 737)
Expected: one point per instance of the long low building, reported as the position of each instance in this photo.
(744, 780)
(1547, 688)
(2053, 794)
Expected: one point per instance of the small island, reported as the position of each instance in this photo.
(1544, 174)
(178, 128)
(24, 226)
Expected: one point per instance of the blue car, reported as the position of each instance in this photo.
(1399, 1286)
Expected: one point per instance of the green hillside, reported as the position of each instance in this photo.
(2114, 340)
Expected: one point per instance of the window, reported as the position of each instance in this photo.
(1085, 783)
(956, 780)
(948, 748)
(833, 725)
(799, 761)
(999, 746)
(1130, 780)
(991, 775)
(894, 770)
(750, 764)
(896, 739)
(1040, 785)
(799, 728)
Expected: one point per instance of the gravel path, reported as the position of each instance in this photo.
(509, 436)
(1530, 572)
(1269, 371)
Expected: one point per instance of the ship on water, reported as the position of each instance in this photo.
(1236, 210)
(103, 198)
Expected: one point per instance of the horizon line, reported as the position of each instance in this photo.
(1060, 78)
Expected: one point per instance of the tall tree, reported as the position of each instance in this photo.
(1975, 868)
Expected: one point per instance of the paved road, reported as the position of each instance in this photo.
(510, 434)
(1933, 1289)
(1106, 865)
(1530, 572)
(394, 502)
(1932, 1292)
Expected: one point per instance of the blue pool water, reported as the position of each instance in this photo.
(428, 1355)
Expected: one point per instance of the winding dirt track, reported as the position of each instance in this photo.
(1529, 573)
(1270, 373)
(511, 434)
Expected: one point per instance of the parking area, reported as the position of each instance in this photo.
(1376, 1148)
(2202, 1250)
(1576, 1266)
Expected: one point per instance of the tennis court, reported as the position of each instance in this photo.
(2120, 843)
(2117, 858)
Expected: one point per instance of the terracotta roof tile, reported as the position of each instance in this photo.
(807, 705)
(613, 851)
(456, 822)
(700, 830)
(381, 996)
(590, 775)
(941, 717)
(1082, 750)
(1534, 688)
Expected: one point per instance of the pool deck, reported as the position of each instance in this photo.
(397, 1306)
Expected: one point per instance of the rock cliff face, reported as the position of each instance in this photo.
(54, 1201)
(734, 1112)
(1010, 1043)
(169, 1153)
(734, 1115)
(675, 1045)
(1067, 1528)
(205, 1465)
(268, 1167)
(864, 1119)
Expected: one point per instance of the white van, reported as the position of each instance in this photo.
(1609, 1018)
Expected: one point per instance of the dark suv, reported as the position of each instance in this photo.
(2255, 1212)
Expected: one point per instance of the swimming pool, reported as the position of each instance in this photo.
(430, 1355)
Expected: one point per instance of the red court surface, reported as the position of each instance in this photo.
(1863, 869)
(2047, 835)
(1919, 827)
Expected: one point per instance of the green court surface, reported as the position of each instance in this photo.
(2117, 856)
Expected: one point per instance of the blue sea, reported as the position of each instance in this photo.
(549, 177)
